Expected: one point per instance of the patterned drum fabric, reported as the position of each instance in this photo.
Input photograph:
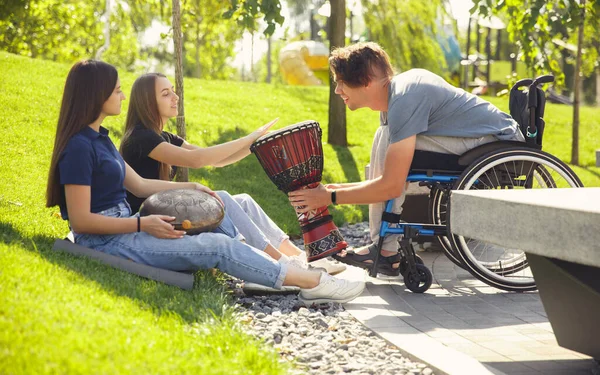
(195, 211)
(292, 157)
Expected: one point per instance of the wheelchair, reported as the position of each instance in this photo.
(496, 165)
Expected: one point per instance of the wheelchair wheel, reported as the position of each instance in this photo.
(438, 211)
(419, 281)
(404, 264)
(515, 168)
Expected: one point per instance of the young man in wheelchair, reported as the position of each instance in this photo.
(418, 111)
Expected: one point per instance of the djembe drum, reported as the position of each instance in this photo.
(195, 211)
(292, 157)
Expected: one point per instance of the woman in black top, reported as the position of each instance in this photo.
(155, 153)
(88, 178)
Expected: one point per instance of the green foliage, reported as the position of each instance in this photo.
(66, 31)
(248, 11)
(545, 27)
(209, 39)
(406, 30)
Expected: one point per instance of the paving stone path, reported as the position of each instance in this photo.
(323, 339)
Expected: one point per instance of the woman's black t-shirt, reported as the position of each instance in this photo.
(139, 145)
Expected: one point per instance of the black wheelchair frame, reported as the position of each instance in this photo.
(524, 164)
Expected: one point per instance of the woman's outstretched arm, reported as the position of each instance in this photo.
(144, 187)
(192, 156)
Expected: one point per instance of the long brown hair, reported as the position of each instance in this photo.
(89, 84)
(143, 109)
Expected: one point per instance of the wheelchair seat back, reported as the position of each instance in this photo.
(527, 104)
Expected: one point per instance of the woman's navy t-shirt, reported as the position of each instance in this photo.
(91, 159)
(139, 145)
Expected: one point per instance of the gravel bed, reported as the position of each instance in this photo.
(322, 339)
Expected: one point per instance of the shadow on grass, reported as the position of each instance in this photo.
(348, 164)
(591, 170)
(208, 300)
(308, 96)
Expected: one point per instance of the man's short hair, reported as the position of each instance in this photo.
(356, 65)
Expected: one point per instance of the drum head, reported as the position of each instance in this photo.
(288, 129)
(195, 211)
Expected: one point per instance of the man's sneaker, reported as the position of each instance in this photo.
(253, 289)
(331, 289)
(332, 267)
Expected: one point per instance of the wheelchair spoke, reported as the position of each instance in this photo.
(507, 268)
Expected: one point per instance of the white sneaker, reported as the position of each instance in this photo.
(294, 261)
(331, 289)
(332, 267)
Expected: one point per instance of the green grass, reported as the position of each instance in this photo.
(62, 314)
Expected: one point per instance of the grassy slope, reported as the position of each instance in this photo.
(63, 314)
(60, 314)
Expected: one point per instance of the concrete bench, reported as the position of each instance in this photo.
(559, 230)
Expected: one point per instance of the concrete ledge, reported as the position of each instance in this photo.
(557, 223)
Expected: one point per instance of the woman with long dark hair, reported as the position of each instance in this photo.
(88, 179)
(154, 153)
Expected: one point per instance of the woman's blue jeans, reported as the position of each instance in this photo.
(252, 222)
(220, 249)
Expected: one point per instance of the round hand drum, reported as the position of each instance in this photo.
(195, 211)
(292, 157)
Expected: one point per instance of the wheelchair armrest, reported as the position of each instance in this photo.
(470, 156)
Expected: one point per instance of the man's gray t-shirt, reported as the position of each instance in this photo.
(421, 102)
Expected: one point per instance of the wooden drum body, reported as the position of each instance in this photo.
(292, 157)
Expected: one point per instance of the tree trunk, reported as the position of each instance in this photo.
(252, 57)
(106, 32)
(488, 58)
(197, 55)
(337, 109)
(467, 49)
(577, 92)
(598, 87)
(182, 173)
(269, 41)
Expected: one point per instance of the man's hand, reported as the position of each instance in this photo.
(304, 200)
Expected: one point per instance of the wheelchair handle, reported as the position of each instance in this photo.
(544, 79)
(522, 82)
(532, 103)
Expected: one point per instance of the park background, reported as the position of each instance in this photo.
(60, 314)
